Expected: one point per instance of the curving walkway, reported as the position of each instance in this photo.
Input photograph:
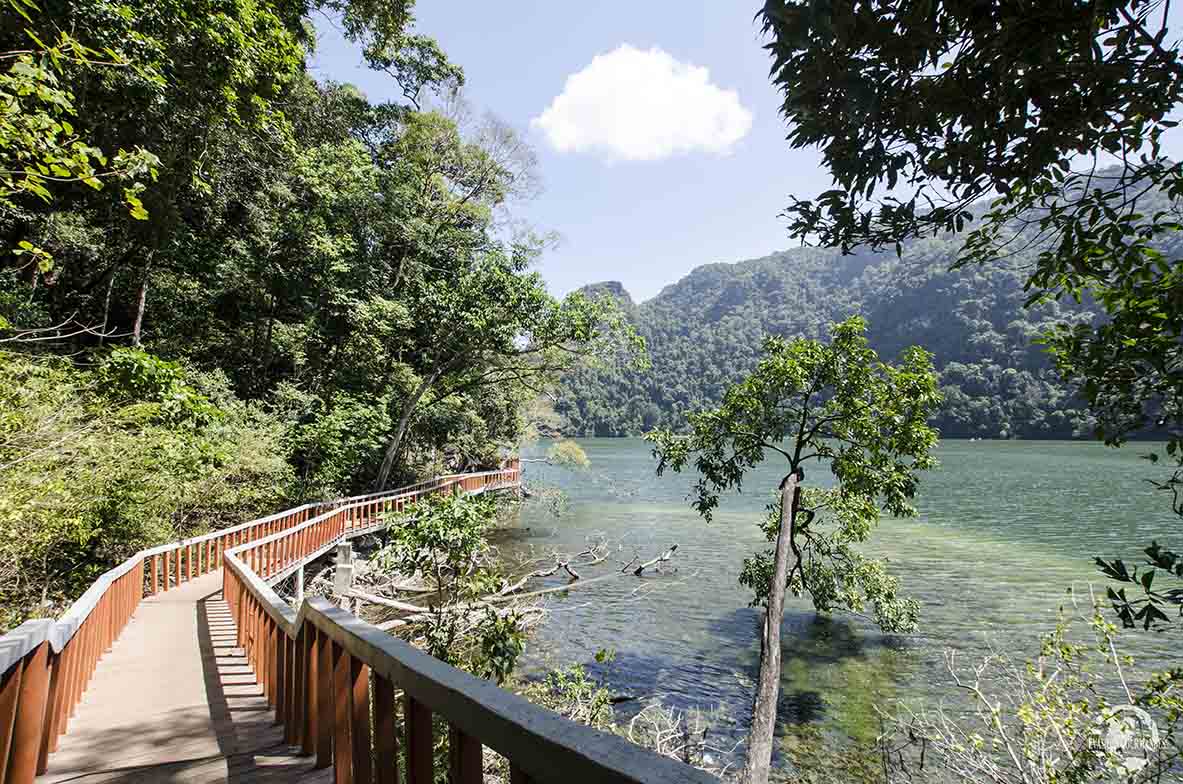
(175, 701)
(141, 679)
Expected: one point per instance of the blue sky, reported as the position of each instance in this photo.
(642, 199)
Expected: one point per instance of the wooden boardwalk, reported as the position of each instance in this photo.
(153, 688)
(174, 701)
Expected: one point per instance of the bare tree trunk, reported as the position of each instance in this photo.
(107, 307)
(140, 305)
(401, 431)
(759, 760)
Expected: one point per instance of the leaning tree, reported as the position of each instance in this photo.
(864, 420)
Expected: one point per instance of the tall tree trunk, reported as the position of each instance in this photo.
(107, 308)
(403, 422)
(137, 328)
(759, 760)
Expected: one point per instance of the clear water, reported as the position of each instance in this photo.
(1005, 528)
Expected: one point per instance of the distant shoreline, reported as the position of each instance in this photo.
(1141, 439)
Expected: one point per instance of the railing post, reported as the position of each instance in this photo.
(417, 718)
(310, 731)
(30, 717)
(78, 677)
(342, 743)
(464, 757)
(10, 689)
(295, 733)
(279, 644)
(49, 724)
(65, 674)
(359, 720)
(385, 732)
(240, 617)
(266, 654)
(324, 700)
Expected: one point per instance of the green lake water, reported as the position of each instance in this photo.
(1005, 528)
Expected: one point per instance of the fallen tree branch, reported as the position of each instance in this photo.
(391, 603)
(668, 554)
(522, 582)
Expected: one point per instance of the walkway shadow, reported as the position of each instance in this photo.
(248, 736)
(151, 712)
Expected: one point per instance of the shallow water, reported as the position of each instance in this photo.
(1005, 528)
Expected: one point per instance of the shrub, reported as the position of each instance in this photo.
(96, 464)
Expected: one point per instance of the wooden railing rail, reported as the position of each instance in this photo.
(275, 556)
(333, 680)
(46, 664)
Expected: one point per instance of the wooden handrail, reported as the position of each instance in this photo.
(46, 664)
(332, 678)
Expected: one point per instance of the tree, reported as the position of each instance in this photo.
(441, 539)
(39, 147)
(493, 324)
(864, 418)
(1039, 124)
(210, 83)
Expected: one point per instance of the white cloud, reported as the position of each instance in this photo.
(643, 105)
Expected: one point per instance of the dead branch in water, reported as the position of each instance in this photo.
(668, 554)
(595, 554)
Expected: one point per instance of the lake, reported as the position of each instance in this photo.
(1005, 528)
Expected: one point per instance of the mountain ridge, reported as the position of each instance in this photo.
(704, 332)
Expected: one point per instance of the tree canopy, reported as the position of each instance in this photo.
(836, 406)
(351, 272)
(1038, 126)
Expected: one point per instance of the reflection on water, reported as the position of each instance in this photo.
(1005, 528)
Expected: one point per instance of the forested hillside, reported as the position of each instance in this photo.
(226, 285)
(704, 332)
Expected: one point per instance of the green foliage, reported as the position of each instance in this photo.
(956, 102)
(704, 333)
(1002, 117)
(89, 474)
(39, 146)
(568, 454)
(338, 260)
(331, 440)
(414, 61)
(442, 539)
(1053, 719)
(1151, 609)
(155, 385)
(840, 404)
(574, 694)
(502, 640)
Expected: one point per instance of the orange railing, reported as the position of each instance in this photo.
(46, 664)
(333, 679)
